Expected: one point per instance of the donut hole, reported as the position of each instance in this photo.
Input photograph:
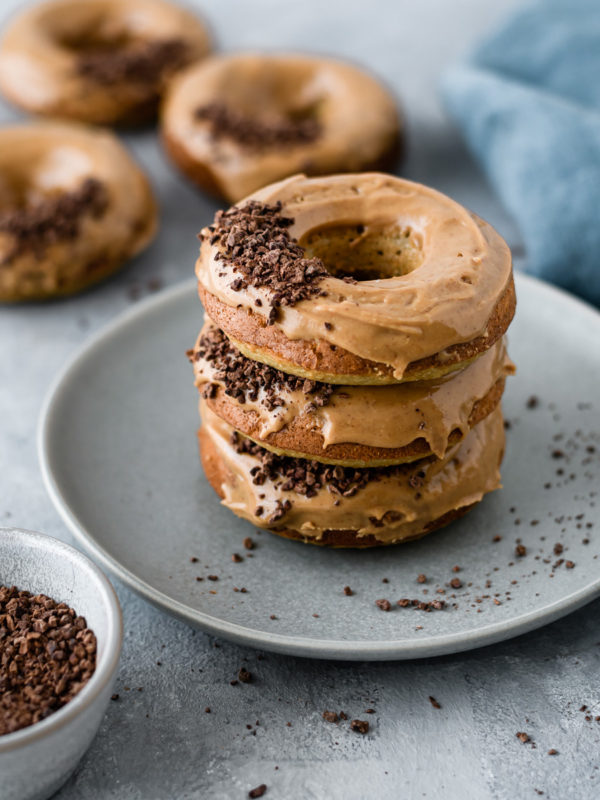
(365, 252)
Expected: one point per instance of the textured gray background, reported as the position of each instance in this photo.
(158, 743)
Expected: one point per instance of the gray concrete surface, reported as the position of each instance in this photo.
(160, 743)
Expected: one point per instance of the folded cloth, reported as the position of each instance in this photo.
(528, 102)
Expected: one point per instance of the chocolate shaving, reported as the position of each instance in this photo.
(142, 63)
(243, 379)
(255, 241)
(307, 478)
(257, 134)
(47, 654)
(54, 219)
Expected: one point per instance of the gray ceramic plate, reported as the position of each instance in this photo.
(118, 452)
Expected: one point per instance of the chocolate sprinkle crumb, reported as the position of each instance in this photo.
(254, 239)
(143, 63)
(306, 477)
(434, 702)
(359, 726)
(256, 134)
(259, 791)
(244, 675)
(53, 219)
(243, 379)
(348, 591)
(47, 655)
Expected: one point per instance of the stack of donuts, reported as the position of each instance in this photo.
(352, 360)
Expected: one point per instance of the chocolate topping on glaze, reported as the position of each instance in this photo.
(142, 63)
(254, 239)
(383, 502)
(448, 299)
(243, 378)
(306, 477)
(56, 218)
(256, 134)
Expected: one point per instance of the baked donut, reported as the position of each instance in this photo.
(73, 208)
(356, 279)
(306, 419)
(342, 507)
(237, 122)
(99, 61)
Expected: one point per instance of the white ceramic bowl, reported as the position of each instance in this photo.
(36, 761)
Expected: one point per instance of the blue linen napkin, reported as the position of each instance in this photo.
(528, 103)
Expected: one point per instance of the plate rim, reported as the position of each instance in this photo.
(338, 649)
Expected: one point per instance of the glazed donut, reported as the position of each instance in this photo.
(98, 61)
(235, 123)
(307, 419)
(73, 208)
(338, 506)
(356, 279)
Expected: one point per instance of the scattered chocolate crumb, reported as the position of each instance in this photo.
(552, 752)
(253, 133)
(456, 583)
(369, 711)
(194, 560)
(434, 702)
(421, 578)
(359, 726)
(533, 402)
(207, 710)
(456, 568)
(497, 538)
(272, 616)
(259, 791)
(569, 564)
(558, 549)
(213, 577)
(343, 715)
(249, 543)
(330, 716)
(523, 737)
(383, 604)
(520, 550)
(421, 605)
(236, 558)
(244, 675)
(114, 696)
(348, 591)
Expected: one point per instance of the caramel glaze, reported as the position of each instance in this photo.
(406, 421)
(389, 509)
(445, 300)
